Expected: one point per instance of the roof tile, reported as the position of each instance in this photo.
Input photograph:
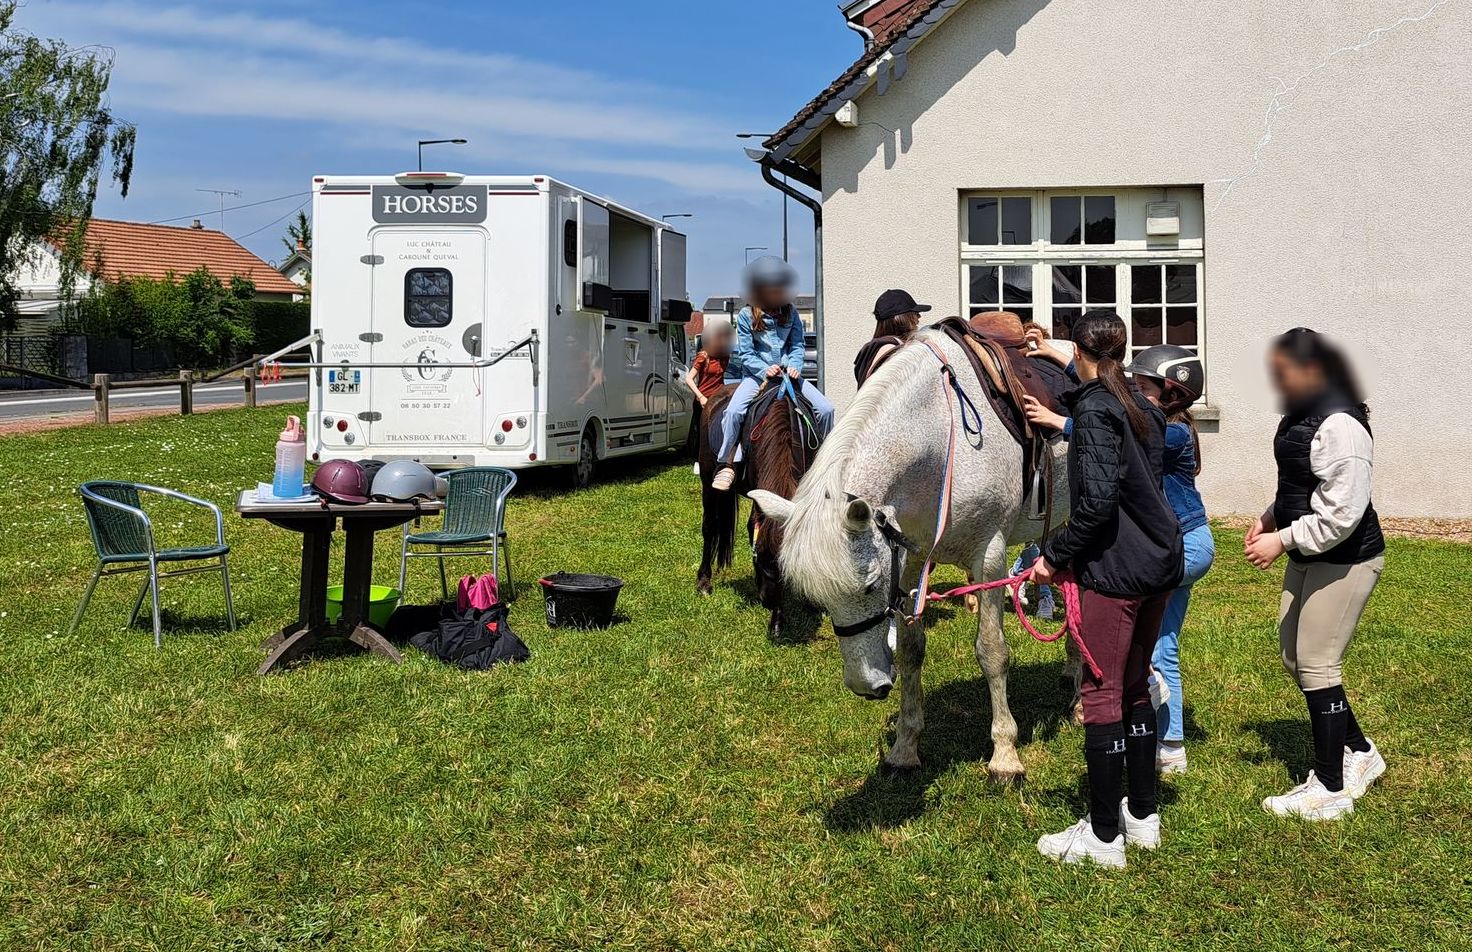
(136, 250)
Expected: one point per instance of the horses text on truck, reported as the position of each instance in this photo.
(466, 320)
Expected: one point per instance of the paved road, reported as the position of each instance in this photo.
(40, 404)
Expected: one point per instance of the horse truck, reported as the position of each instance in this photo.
(486, 320)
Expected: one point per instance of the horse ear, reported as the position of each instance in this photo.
(772, 505)
(857, 516)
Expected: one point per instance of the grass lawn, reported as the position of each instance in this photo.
(674, 782)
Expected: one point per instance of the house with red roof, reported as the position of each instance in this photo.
(127, 249)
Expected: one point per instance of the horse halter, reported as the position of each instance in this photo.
(898, 544)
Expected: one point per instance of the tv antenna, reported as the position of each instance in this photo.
(221, 192)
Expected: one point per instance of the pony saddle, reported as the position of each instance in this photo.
(996, 348)
(799, 410)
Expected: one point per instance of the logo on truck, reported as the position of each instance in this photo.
(424, 353)
(458, 204)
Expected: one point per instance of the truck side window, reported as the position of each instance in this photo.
(570, 243)
(427, 297)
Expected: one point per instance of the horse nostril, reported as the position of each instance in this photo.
(882, 692)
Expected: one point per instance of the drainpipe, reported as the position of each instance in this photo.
(863, 31)
(816, 207)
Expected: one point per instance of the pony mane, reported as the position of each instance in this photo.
(816, 557)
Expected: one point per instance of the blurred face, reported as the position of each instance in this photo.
(720, 341)
(1294, 381)
(771, 297)
(1150, 387)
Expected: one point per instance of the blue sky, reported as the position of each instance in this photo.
(639, 101)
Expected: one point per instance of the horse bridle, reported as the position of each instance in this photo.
(898, 544)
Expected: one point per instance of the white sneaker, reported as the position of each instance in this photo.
(1159, 690)
(1045, 605)
(1310, 801)
(1078, 844)
(696, 469)
(1361, 770)
(1142, 833)
(723, 479)
(1170, 759)
(1022, 595)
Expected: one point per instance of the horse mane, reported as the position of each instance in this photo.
(816, 556)
(774, 463)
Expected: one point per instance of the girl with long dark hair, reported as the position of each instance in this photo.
(1123, 545)
(1323, 518)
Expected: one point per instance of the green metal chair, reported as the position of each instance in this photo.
(123, 536)
(475, 514)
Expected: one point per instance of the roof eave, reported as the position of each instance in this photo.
(785, 145)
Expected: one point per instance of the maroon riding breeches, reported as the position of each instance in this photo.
(1120, 633)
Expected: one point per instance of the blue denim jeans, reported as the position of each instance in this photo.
(1200, 552)
(741, 399)
(1024, 560)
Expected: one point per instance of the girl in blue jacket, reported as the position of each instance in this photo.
(770, 341)
(1173, 378)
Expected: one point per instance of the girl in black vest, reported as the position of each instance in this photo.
(1123, 545)
(1323, 519)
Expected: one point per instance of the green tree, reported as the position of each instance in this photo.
(203, 320)
(57, 136)
(298, 234)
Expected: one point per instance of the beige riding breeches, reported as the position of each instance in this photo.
(1317, 615)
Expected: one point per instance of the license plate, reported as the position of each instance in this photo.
(344, 381)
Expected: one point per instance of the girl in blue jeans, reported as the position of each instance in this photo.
(770, 341)
(1173, 378)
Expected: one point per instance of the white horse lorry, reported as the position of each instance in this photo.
(485, 320)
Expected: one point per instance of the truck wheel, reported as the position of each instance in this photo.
(582, 471)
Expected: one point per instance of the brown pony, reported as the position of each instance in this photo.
(780, 455)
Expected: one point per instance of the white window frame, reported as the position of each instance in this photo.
(1041, 255)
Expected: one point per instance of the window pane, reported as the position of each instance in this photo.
(1099, 220)
(1065, 221)
(1180, 283)
(1068, 284)
(982, 221)
(1180, 326)
(1063, 321)
(427, 297)
(1017, 284)
(1145, 331)
(1145, 283)
(1016, 221)
(1025, 313)
(984, 284)
(1099, 284)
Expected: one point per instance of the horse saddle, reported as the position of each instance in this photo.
(773, 389)
(996, 347)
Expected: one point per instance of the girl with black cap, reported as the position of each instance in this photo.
(1322, 517)
(896, 317)
(1123, 545)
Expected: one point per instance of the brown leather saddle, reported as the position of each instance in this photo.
(996, 347)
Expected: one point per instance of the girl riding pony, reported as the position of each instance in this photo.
(770, 341)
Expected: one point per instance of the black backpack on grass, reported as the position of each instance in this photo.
(474, 639)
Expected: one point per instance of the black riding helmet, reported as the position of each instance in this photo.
(1181, 374)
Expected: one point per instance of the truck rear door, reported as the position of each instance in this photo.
(429, 309)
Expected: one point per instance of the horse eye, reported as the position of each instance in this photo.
(869, 589)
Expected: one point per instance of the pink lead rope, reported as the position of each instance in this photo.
(1072, 613)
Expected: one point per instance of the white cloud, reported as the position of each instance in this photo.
(178, 60)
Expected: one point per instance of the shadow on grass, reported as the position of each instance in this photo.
(1289, 742)
(800, 620)
(177, 624)
(554, 482)
(957, 731)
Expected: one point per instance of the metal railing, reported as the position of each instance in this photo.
(530, 343)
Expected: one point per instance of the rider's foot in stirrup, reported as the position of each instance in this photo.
(723, 479)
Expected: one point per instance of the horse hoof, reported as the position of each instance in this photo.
(899, 771)
(1006, 777)
(702, 587)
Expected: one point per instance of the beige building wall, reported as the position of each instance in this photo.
(1336, 193)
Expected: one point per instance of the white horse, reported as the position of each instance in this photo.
(869, 505)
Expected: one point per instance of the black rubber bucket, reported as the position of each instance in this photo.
(580, 601)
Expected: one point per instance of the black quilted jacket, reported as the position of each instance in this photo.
(1122, 538)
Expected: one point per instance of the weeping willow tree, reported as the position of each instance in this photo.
(58, 138)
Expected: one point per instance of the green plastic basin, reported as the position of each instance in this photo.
(382, 601)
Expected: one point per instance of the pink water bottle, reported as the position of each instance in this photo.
(291, 461)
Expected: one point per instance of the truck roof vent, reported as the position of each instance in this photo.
(429, 180)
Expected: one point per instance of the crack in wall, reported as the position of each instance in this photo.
(1279, 101)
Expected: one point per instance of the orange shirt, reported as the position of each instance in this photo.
(710, 373)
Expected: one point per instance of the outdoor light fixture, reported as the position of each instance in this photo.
(425, 142)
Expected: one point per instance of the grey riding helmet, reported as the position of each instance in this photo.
(1181, 374)
(405, 480)
(770, 271)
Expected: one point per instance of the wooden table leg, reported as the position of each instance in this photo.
(291, 648)
(312, 597)
(357, 574)
(365, 636)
